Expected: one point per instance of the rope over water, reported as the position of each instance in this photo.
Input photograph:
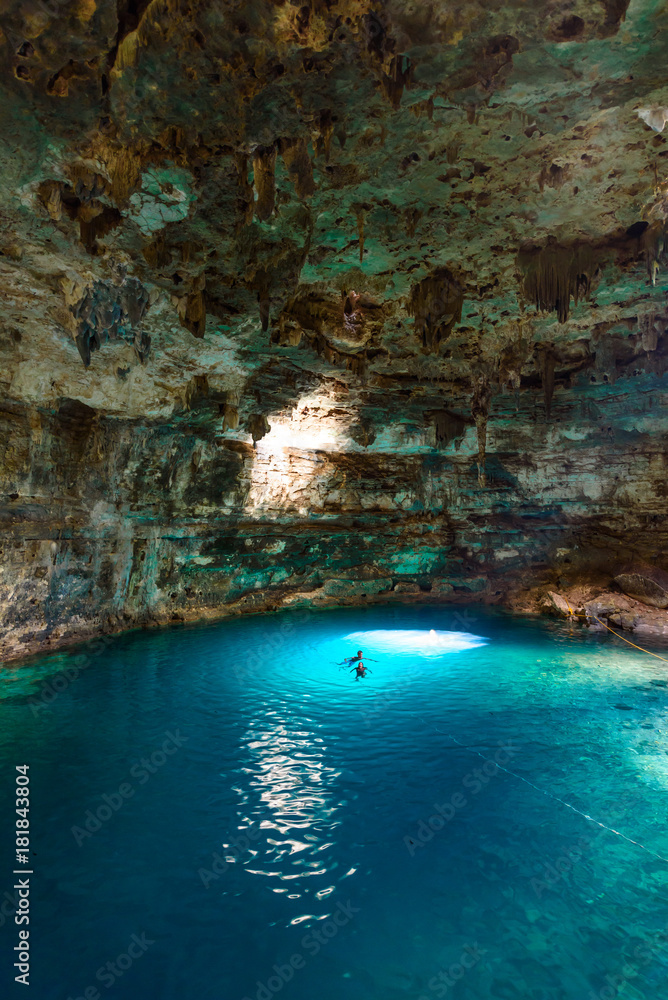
(543, 791)
(574, 614)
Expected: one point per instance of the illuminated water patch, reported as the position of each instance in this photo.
(426, 642)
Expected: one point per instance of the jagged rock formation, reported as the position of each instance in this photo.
(340, 299)
(588, 608)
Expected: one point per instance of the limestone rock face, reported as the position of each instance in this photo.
(556, 605)
(644, 583)
(348, 300)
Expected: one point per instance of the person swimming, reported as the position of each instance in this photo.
(348, 662)
(360, 670)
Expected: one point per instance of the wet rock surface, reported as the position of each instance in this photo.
(606, 609)
(327, 302)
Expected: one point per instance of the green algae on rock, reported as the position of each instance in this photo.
(299, 296)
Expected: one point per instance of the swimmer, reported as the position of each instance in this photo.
(360, 671)
(353, 659)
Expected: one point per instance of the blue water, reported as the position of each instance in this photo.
(278, 830)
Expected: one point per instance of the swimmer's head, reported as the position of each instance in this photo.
(359, 652)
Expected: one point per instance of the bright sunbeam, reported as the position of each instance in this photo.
(422, 641)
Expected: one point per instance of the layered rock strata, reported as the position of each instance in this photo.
(326, 302)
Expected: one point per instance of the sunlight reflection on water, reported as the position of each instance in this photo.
(426, 642)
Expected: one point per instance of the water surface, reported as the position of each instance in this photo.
(266, 825)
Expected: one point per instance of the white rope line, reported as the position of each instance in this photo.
(543, 791)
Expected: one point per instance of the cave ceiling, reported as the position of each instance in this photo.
(410, 207)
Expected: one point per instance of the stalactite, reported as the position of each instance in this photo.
(49, 194)
(258, 426)
(108, 311)
(555, 274)
(325, 126)
(246, 201)
(192, 307)
(511, 361)
(231, 411)
(230, 418)
(554, 176)
(264, 167)
(263, 297)
(448, 427)
(357, 364)
(436, 303)
(157, 254)
(649, 331)
(397, 79)
(81, 204)
(480, 402)
(298, 165)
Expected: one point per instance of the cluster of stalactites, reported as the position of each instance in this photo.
(109, 311)
(298, 166)
(448, 427)
(436, 303)
(553, 275)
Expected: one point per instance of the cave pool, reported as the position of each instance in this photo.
(219, 812)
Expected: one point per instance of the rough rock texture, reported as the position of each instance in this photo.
(343, 300)
(589, 608)
(644, 583)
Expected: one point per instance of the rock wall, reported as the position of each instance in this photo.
(109, 522)
(326, 302)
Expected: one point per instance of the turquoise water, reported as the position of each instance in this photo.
(265, 825)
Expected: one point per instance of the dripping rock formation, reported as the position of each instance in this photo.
(345, 300)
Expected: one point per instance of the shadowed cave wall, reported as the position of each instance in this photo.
(317, 303)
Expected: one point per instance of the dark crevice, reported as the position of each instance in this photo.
(91, 226)
(129, 14)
